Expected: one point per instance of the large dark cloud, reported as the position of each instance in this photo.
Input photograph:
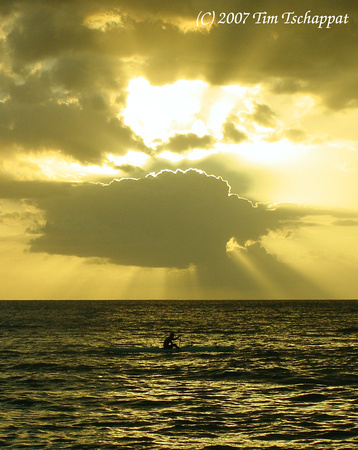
(168, 220)
(173, 220)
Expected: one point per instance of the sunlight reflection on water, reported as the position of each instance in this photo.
(290, 383)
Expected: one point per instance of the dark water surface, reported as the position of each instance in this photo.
(291, 382)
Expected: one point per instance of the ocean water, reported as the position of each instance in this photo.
(290, 383)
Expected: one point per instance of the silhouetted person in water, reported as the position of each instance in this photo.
(168, 343)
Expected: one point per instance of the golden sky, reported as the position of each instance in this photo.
(178, 149)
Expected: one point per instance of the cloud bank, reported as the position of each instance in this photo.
(171, 220)
(65, 66)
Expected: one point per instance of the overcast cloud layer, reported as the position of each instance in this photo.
(66, 65)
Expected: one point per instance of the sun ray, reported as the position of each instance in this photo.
(241, 257)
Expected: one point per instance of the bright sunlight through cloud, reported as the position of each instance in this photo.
(157, 112)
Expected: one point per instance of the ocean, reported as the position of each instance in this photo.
(290, 383)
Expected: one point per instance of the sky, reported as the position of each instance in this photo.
(177, 149)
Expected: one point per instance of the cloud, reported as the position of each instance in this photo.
(226, 54)
(156, 221)
(346, 223)
(171, 220)
(231, 134)
(263, 115)
(295, 134)
(59, 92)
(181, 143)
(252, 54)
(85, 134)
(240, 179)
(41, 31)
(168, 220)
(64, 79)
